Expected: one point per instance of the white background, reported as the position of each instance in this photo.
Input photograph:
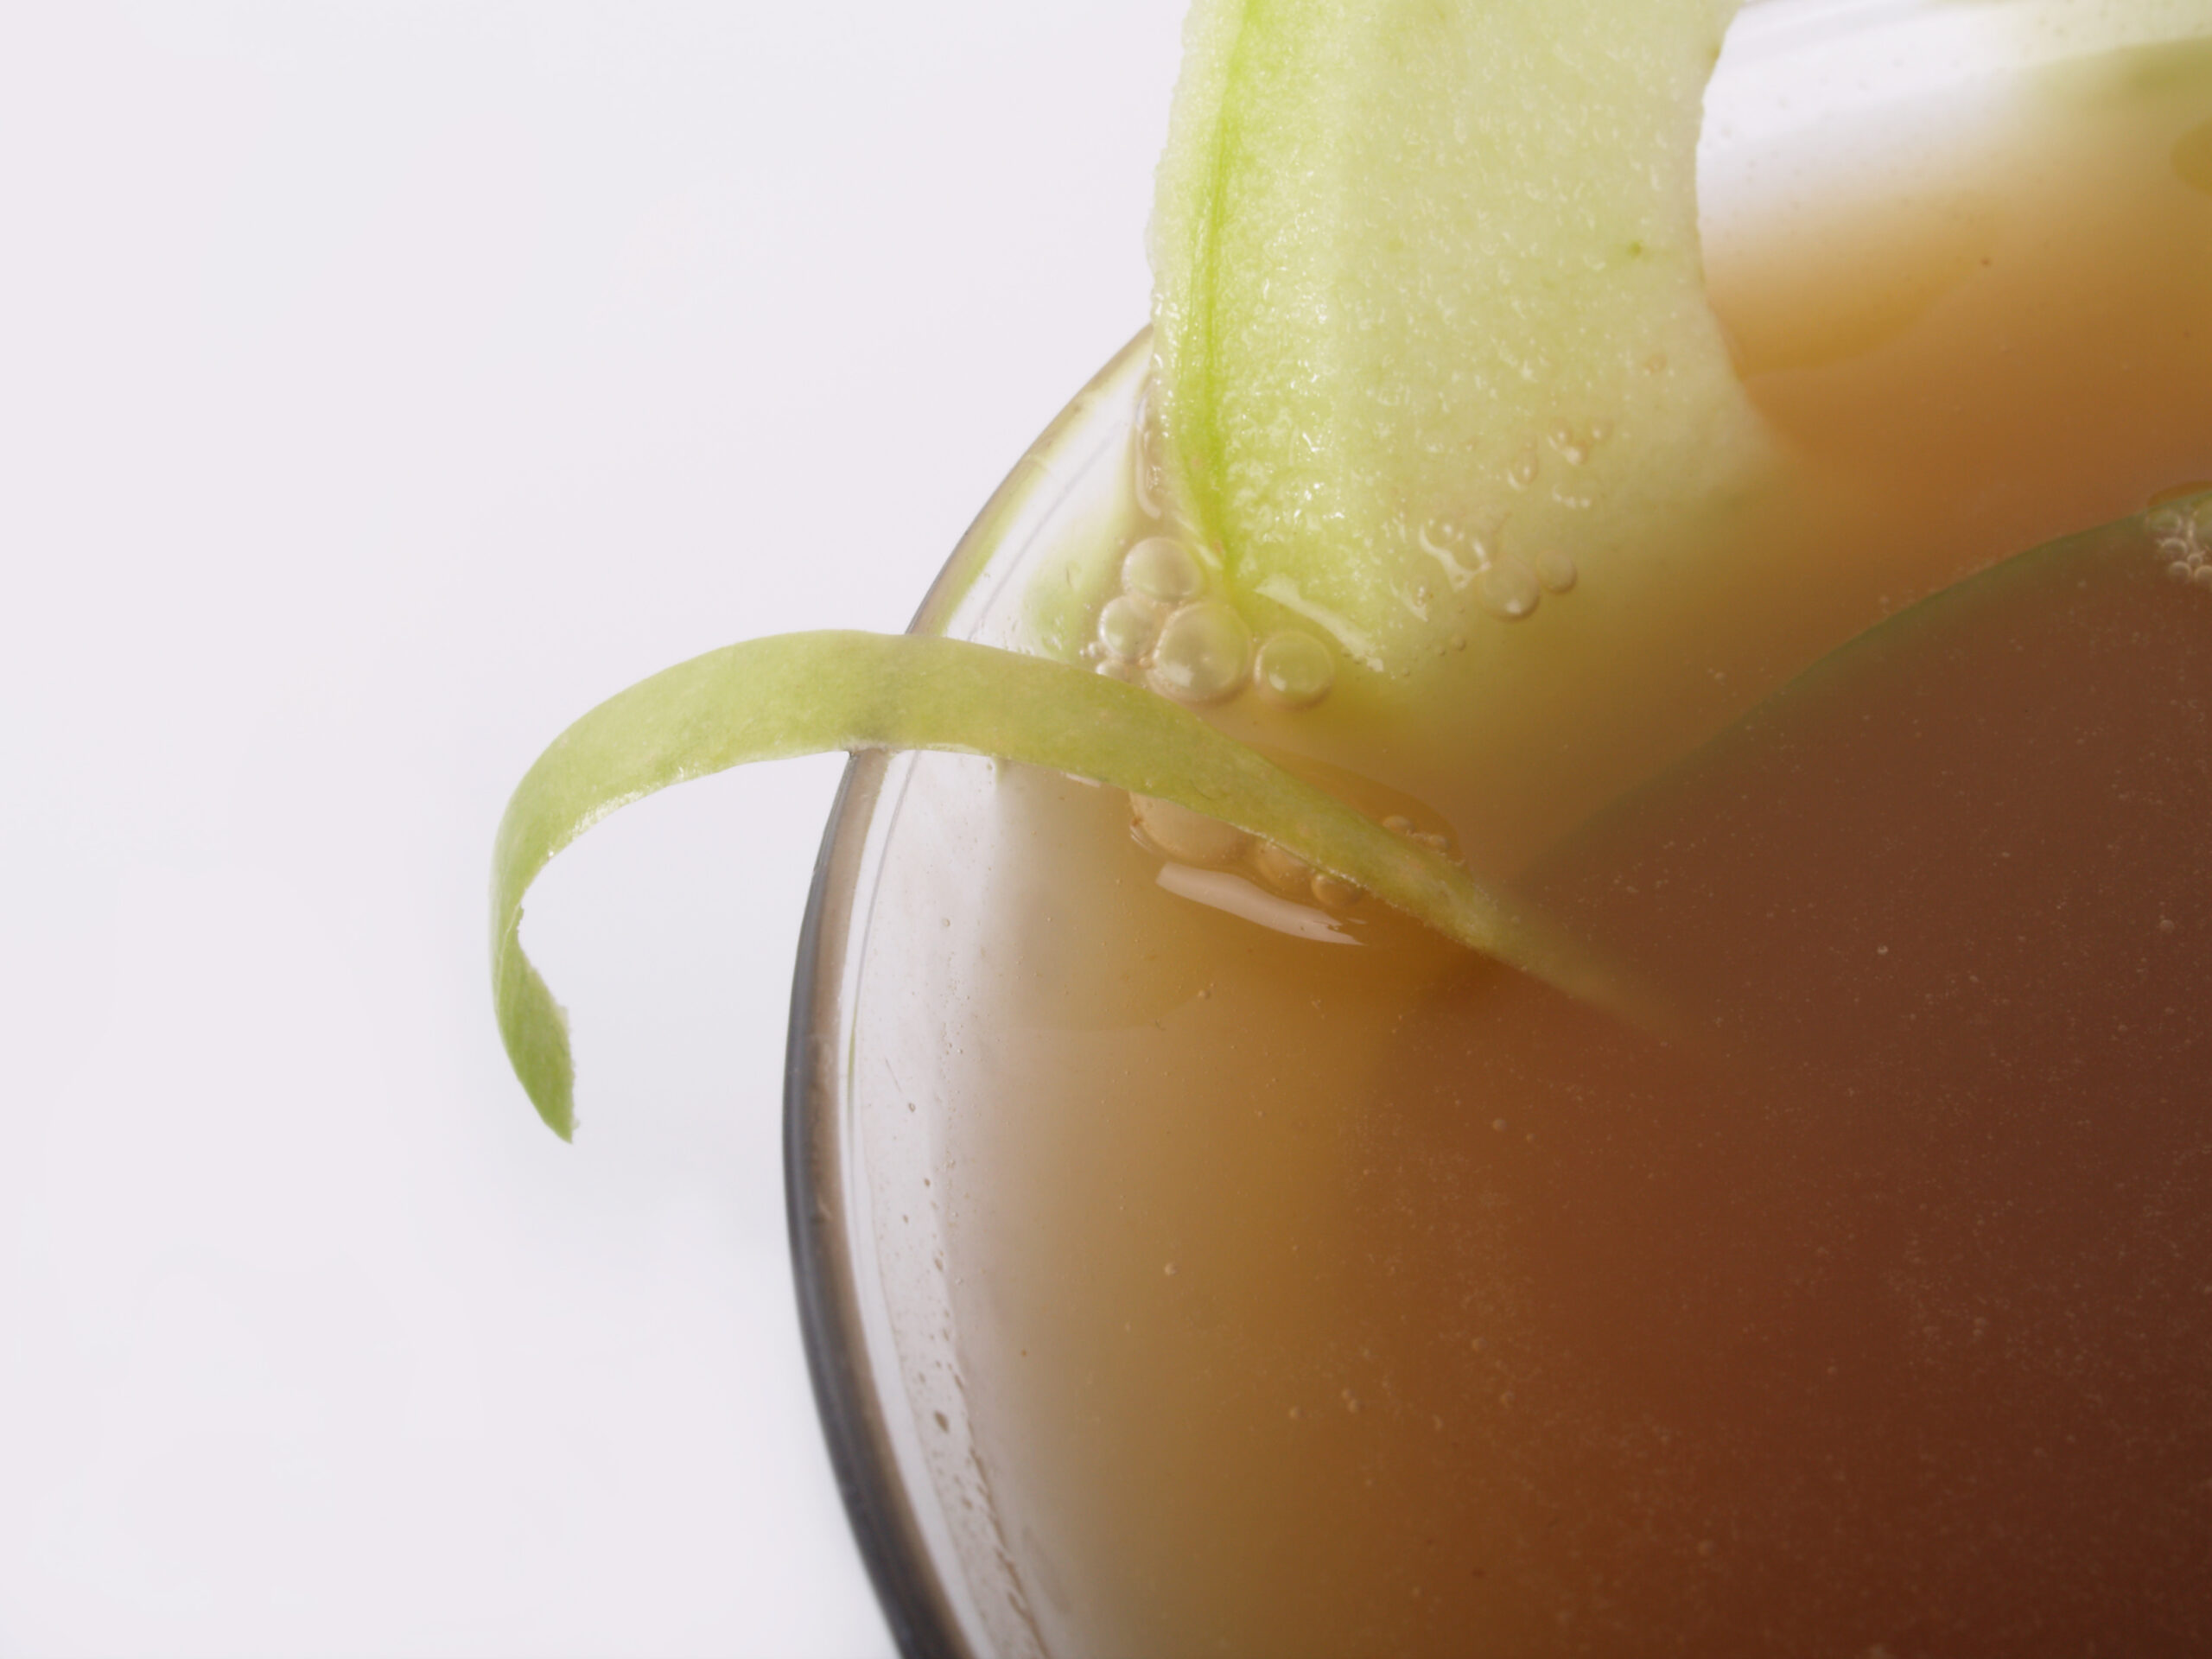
(380, 386)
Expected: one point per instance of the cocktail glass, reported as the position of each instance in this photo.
(912, 851)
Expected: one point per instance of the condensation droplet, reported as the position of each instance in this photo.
(1161, 568)
(1556, 571)
(1203, 652)
(1128, 628)
(1509, 590)
(1187, 838)
(1293, 669)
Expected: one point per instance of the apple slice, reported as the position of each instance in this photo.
(1431, 326)
(809, 693)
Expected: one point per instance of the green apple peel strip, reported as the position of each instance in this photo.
(815, 693)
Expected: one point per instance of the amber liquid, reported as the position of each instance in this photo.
(1332, 1300)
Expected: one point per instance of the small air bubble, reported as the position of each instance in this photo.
(1280, 868)
(1555, 571)
(1187, 838)
(1203, 653)
(1127, 627)
(1127, 673)
(1159, 568)
(1336, 892)
(1293, 669)
(1510, 590)
(1398, 825)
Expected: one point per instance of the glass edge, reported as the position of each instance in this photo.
(861, 1456)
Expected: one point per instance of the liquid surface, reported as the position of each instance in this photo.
(1330, 1299)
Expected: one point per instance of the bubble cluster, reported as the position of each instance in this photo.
(1190, 839)
(2182, 535)
(1186, 837)
(1169, 624)
(1164, 626)
(1508, 587)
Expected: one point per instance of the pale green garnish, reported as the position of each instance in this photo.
(810, 693)
(1430, 305)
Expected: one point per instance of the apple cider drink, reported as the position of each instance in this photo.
(1322, 1289)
